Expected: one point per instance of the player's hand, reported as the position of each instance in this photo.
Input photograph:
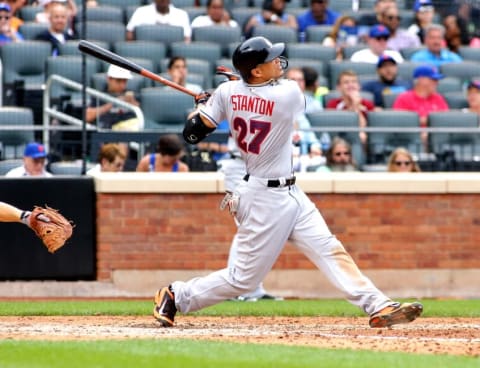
(231, 200)
(202, 98)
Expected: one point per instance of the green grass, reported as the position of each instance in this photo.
(187, 353)
(296, 308)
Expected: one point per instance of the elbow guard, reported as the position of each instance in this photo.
(195, 130)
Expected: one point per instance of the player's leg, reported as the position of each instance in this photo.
(315, 240)
(265, 222)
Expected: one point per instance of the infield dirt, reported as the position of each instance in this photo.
(455, 336)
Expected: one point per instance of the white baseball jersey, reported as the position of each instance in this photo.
(261, 122)
(271, 210)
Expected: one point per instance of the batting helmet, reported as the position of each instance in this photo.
(255, 51)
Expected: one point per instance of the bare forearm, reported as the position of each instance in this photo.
(9, 213)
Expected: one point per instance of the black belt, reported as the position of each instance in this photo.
(276, 183)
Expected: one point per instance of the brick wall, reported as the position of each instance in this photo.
(381, 231)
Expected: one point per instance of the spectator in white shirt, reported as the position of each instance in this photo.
(216, 15)
(377, 45)
(159, 12)
(34, 160)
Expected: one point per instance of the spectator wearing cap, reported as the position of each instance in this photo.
(58, 32)
(7, 33)
(423, 98)
(159, 12)
(377, 45)
(399, 38)
(109, 116)
(434, 53)
(34, 161)
(387, 82)
(473, 96)
(424, 14)
(318, 14)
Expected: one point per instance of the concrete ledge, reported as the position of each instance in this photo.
(358, 182)
(305, 284)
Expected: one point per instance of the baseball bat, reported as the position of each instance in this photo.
(112, 58)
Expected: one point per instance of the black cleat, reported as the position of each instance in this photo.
(165, 309)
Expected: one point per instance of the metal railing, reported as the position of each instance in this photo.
(50, 112)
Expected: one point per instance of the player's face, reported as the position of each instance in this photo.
(271, 70)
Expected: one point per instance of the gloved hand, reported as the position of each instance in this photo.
(231, 200)
(202, 98)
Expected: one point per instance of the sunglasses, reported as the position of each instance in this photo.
(403, 163)
(338, 154)
(394, 17)
(382, 38)
(4, 17)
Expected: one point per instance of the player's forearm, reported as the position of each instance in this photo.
(9, 213)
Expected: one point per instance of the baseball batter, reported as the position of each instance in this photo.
(269, 207)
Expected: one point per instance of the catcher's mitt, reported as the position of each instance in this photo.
(51, 227)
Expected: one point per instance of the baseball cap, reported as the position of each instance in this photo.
(5, 7)
(428, 71)
(423, 5)
(46, 2)
(379, 30)
(384, 58)
(118, 73)
(474, 83)
(35, 150)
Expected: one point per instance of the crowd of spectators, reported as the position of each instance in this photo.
(437, 33)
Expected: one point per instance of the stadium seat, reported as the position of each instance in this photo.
(465, 70)
(30, 30)
(159, 33)
(310, 50)
(71, 47)
(317, 33)
(25, 61)
(14, 140)
(69, 67)
(339, 119)
(462, 144)
(243, 14)
(165, 109)
(109, 32)
(150, 50)
(276, 33)
(221, 35)
(381, 144)
(336, 67)
(456, 99)
(469, 53)
(208, 51)
(29, 12)
(103, 13)
(300, 63)
(449, 84)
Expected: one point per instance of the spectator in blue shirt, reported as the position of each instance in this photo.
(387, 82)
(319, 14)
(434, 53)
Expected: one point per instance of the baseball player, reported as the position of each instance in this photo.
(269, 207)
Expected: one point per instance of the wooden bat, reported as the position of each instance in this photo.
(112, 58)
